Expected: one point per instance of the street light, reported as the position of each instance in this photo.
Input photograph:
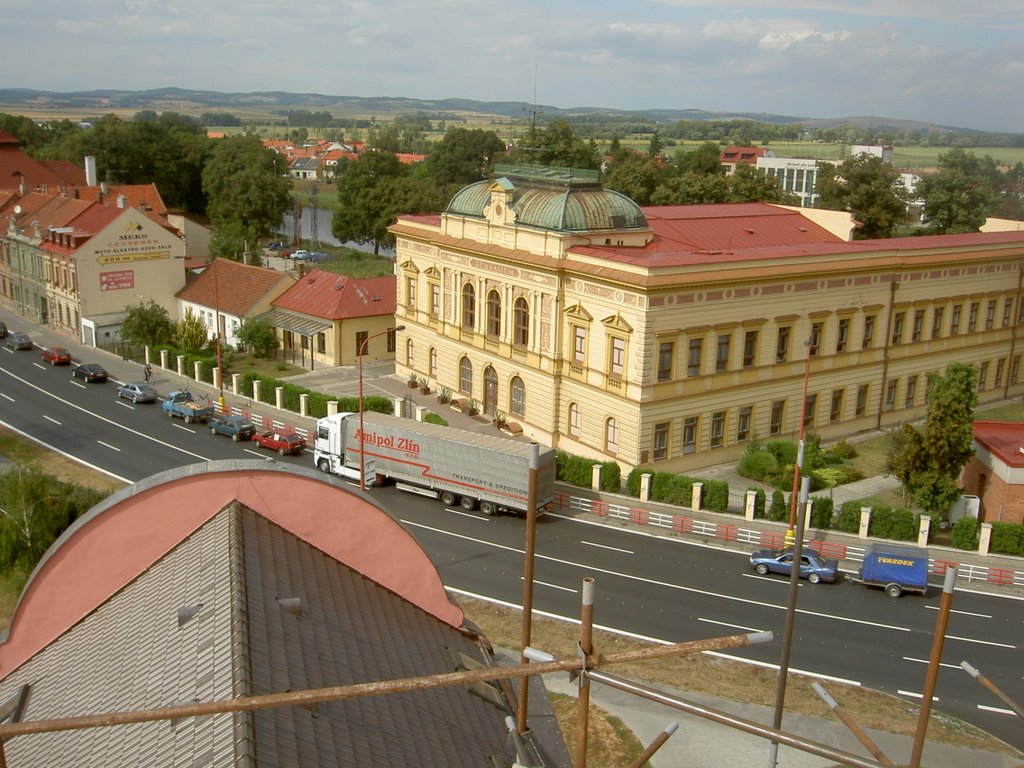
(798, 467)
(362, 437)
(216, 310)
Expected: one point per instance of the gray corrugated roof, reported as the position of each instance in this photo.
(289, 321)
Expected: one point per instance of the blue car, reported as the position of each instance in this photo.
(235, 427)
(813, 566)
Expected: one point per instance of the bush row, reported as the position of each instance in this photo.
(1007, 538)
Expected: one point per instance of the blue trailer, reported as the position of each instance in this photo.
(895, 568)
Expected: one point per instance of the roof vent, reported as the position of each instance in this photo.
(185, 613)
(291, 604)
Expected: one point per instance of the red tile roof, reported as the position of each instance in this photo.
(17, 167)
(144, 197)
(1003, 439)
(239, 287)
(331, 296)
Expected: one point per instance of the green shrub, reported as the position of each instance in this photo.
(1007, 538)
(842, 451)
(848, 519)
(896, 524)
(779, 509)
(784, 451)
(633, 481)
(669, 488)
(965, 533)
(757, 464)
(821, 513)
(432, 418)
(759, 503)
(715, 495)
(611, 477)
(575, 470)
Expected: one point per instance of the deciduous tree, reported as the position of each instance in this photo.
(147, 323)
(959, 196)
(867, 187)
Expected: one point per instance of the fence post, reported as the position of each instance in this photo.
(749, 502)
(645, 486)
(332, 407)
(146, 352)
(164, 356)
(595, 477)
(696, 492)
(197, 370)
(279, 398)
(235, 379)
(256, 390)
(924, 526)
(303, 404)
(181, 365)
(865, 522)
(985, 539)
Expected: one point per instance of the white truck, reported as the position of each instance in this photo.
(453, 465)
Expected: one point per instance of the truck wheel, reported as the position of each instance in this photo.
(488, 508)
(234, 437)
(761, 568)
(894, 590)
(188, 419)
(467, 502)
(447, 498)
(213, 431)
(324, 466)
(813, 578)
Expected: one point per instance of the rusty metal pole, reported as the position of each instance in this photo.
(586, 648)
(854, 726)
(787, 632)
(938, 639)
(992, 687)
(799, 466)
(648, 753)
(528, 563)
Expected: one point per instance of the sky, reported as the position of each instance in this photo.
(957, 63)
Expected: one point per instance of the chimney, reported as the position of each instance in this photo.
(90, 170)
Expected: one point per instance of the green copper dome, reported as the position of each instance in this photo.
(560, 199)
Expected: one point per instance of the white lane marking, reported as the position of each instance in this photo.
(726, 624)
(783, 581)
(997, 710)
(605, 546)
(108, 445)
(470, 515)
(655, 582)
(123, 404)
(793, 670)
(914, 695)
(254, 453)
(553, 586)
(7, 397)
(77, 383)
(925, 661)
(50, 418)
(979, 642)
(962, 613)
(183, 427)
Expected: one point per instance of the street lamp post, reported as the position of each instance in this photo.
(798, 468)
(362, 437)
(216, 309)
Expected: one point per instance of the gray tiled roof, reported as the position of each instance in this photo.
(133, 652)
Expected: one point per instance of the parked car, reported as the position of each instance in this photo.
(18, 340)
(282, 442)
(301, 255)
(319, 256)
(285, 253)
(813, 566)
(137, 392)
(275, 246)
(3, 330)
(56, 356)
(90, 372)
(235, 427)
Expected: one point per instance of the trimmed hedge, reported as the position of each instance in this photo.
(779, 510)
(965, 533)
(759, 503)
(821, 513)
(848, 519)
(1007, 538)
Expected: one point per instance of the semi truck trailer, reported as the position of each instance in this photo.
(457, 466)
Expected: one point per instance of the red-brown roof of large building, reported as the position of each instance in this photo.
(331, 296)
(18, 168)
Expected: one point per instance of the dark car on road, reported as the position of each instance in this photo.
(235, 427)
(282, 442)
(90, 372)
(813, 566)
(137, 392)
(18, 340)
(3, 330)
(56, 356)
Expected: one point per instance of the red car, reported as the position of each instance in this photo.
(282, 442)
(56, 356)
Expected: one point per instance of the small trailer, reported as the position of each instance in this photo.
(895, 568)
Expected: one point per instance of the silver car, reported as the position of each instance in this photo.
(18, 341)
(137, 392)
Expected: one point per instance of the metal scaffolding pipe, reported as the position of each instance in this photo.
(853, 725)
(586, 649)
(934, 662)
(655, 745)
(992, 687)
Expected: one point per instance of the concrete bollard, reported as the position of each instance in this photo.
(922, 531)
(332, 407)
(865, 522)
(181, 365)
(236, 379)
(196, 370)
(164, 357)
(645, 486)
(279, 398)
(304, 404)
(749, 502)
(595, 477)
(696, 493)
(985, 539)
(256, 390)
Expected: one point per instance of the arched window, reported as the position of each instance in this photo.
(574, 419)
(611, 436)
(517, 397)
(465, 376)
(410, 353)
(493, 313)
(520, 322)
(433, 362)
(468, 306)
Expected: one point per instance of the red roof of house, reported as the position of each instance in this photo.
(144, 197)
(742, 154)
(17, 167)
(331, 296)
(238, 287)
(1003, 439)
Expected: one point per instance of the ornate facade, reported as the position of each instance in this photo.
(671, 337)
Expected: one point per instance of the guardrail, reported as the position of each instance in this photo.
(681, 524)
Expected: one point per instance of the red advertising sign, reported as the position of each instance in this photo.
(116, 281)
